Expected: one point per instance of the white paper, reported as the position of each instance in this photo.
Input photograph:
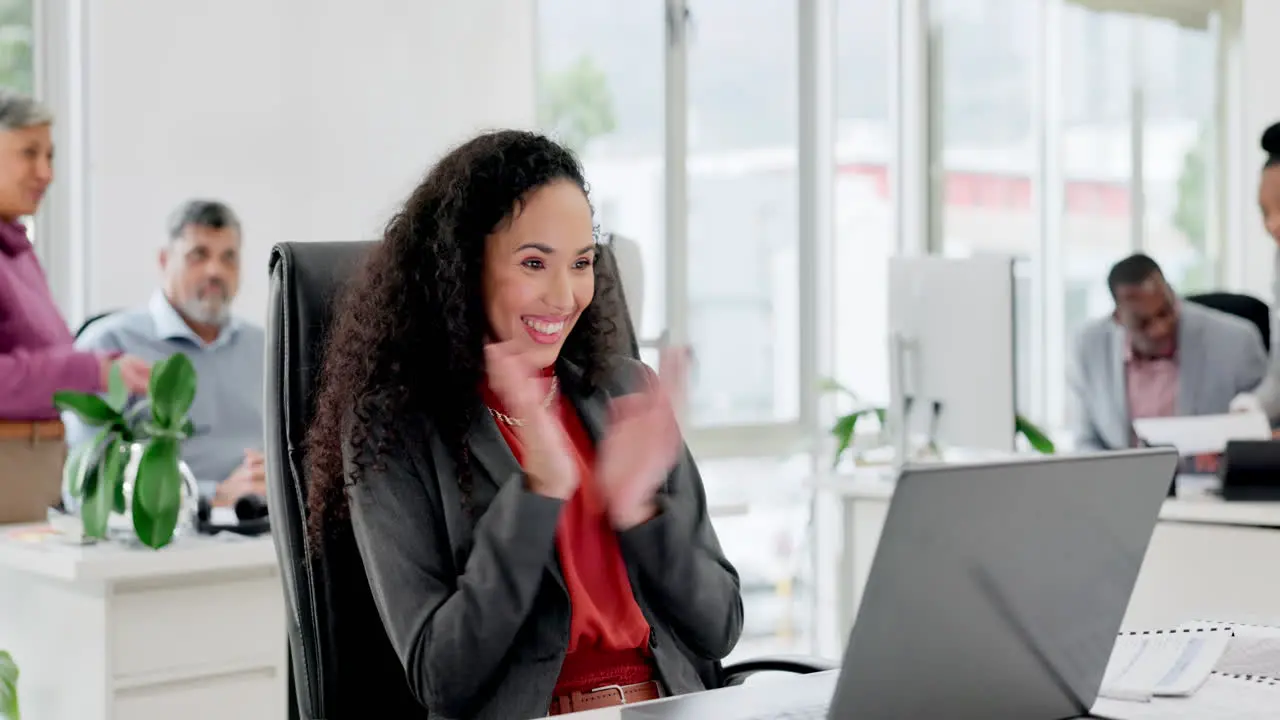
(1172, 663)
(223, 516)
(1222, 697)
(1253, 649)
(1199, 434)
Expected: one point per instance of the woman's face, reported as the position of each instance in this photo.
(1269, 200)
(538, 274)
(26, 169)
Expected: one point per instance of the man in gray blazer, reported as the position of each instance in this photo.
(1157, 356)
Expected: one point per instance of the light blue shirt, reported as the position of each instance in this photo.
(227, 411)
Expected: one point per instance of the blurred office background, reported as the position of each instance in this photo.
(768, 157)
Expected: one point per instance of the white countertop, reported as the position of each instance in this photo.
(1195, 502)
(37, 550)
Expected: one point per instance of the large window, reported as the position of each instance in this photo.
(865, 237)
(16, 46)
(1097, 158)
(742, 218)
(601, 92)
(1177, 109)
(982, 90)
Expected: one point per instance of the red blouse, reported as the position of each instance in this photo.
(608, 634)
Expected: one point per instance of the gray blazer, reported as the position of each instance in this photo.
(478, 610)
(1219, 356)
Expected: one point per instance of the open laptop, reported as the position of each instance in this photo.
(997, 591)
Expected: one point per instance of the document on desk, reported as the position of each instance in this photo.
(1222, 697)
(1252, 650)
(1148, 664)
(1199, 434)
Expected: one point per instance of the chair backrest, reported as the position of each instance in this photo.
(342, 662)
(1242, 306)
(91, 320)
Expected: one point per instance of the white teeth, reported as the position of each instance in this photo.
(544, 327)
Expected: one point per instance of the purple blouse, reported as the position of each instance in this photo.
(36, 355)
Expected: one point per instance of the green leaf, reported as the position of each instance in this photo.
(188, 428)
(172, 390)
(80, 457)
(98, 490)
(1034, 435)
(117, 393)
(8, 687)
(117, 488)
(827, 384)
(843, 432)
(157, 493)
(87, 406)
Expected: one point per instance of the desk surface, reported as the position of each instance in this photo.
(774, 695)
(35, 549)
(1195, 502)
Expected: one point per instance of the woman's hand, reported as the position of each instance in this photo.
(642, 443)
(548, 461)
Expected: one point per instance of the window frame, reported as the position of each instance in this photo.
(915, 173)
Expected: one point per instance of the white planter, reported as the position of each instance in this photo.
(120, 525)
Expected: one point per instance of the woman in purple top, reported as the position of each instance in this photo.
(36, 354)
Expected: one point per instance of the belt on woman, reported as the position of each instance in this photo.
(607, 696)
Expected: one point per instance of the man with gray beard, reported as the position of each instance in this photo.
(191, 313)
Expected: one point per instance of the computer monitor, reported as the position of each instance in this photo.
(951, 337)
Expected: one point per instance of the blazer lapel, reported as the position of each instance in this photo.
(1119, 390)
(490, 452)
(1191, 363)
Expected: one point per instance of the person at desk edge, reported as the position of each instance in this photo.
(1157, 356)
(1266, 397)
(191, 313)
(36, 353)
(534, 532)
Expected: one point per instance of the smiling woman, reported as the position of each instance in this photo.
(534, 532)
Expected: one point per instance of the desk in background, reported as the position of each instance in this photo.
(193, 631)
(1208, 558)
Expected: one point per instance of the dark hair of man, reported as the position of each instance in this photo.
(1131, 272)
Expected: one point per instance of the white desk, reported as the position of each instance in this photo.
(1208, 559)
(106, 632)
(772, 695)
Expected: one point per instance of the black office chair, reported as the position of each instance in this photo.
(342, 661)
(1242, 306)
(92, 319)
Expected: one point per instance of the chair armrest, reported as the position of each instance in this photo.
(737, 673)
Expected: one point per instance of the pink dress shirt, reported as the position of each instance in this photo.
(36, 355)
(1151, 385)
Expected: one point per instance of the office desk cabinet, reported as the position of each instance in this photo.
(107, 632)
(1208, 559)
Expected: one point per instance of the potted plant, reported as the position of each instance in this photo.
(132, 466)
(845, 425)
(8, 688)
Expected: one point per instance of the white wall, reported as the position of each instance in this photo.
(312, 118)
(1257, 105)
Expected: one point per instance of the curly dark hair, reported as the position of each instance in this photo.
(407, 339)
